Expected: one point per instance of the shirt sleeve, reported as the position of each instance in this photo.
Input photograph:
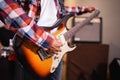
(75, 10)
(33, 8)
(18, 21)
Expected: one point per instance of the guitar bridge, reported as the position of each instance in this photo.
(43, 54)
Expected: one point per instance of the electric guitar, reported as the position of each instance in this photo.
(40, 61)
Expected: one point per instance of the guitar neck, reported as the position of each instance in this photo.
(69, 34)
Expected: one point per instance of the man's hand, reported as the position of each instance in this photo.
(89, 9)
(55, 47)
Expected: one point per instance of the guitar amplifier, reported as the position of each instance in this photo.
(91, 32)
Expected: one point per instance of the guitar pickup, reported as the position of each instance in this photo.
(43, 54)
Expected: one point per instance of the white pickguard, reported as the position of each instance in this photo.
(65, 48)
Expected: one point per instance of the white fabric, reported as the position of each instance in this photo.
(48, 13)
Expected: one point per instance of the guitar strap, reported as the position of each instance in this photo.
(61, 2)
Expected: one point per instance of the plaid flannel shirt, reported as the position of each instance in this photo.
(16, 19)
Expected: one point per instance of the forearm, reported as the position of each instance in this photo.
(17, 20)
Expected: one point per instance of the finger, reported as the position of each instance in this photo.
(55, 50)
